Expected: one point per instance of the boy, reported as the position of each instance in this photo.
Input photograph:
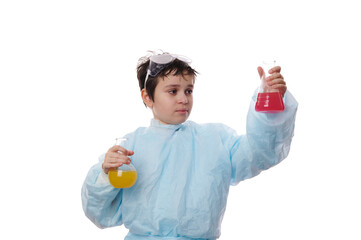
(184, 169)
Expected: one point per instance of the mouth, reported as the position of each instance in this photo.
(182, 111)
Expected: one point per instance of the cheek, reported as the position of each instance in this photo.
(190, 99)
(162, 105)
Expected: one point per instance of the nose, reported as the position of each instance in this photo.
(183, 99)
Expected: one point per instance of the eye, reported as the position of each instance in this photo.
(173, 91)
(189, 91)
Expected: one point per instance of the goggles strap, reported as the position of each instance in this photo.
(146, 78)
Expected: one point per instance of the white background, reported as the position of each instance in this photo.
(69, 87)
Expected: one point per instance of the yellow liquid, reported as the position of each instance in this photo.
(122, 179)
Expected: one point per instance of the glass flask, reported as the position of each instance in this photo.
(268, 100)
(124, 176)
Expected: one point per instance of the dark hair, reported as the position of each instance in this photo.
(176, 67)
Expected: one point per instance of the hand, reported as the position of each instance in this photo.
(275, 80)
(116, 157)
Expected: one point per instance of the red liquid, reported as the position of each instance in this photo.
(269, 102)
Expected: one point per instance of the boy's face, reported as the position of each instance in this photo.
(173, 99)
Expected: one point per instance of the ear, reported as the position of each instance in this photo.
(146, 98)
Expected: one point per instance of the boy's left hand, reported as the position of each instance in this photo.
(275, 80)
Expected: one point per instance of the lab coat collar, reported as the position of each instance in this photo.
(157, 123)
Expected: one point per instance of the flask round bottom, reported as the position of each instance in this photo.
(122, 178)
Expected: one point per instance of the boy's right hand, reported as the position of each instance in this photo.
(116, 157)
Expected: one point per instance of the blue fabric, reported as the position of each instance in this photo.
(184, 174)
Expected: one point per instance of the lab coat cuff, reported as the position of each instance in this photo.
(102, 178)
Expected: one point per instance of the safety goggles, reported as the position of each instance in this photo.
(158, 62)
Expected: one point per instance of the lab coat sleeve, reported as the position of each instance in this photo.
(266, 143)
(102, 203)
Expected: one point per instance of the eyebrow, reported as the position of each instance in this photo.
(177, 85)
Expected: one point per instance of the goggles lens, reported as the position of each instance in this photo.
(158, 62)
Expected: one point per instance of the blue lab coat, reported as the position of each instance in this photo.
(184, 174)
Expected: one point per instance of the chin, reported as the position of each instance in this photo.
(178, 121)
(173, 120)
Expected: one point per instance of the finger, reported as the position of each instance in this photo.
(275, 69)
(274, 76)
(118, 148)
(122, 159)
(280, 87)
(112, 157)
(107, 167)
(115, 154)
(112, 165)
(260, 72)
(276, 81)
(126, 152)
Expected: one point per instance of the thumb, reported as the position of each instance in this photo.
(260, 72)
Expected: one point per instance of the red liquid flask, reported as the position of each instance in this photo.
(268, 100)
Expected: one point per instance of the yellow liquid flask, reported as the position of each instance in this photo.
(124, 176)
